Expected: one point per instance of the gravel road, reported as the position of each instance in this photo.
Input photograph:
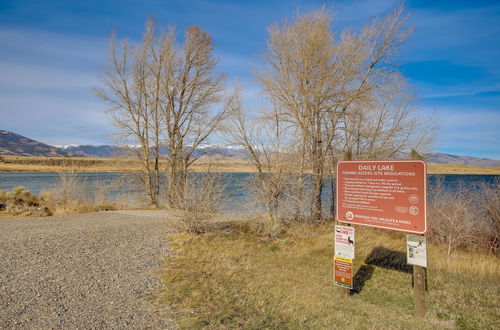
(84, 271)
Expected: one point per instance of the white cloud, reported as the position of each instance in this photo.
(45, 86)
(52, 44)
(470, 131)
(29, 76)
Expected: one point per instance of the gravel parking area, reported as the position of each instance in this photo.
(84, 271)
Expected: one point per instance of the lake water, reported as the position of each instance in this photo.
(118, 183)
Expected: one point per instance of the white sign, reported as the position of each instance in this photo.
(416, 250)
(344, 242)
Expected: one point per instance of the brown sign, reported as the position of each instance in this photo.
(342, 272)
(383, 194)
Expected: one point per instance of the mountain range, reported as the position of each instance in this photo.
(17, 145)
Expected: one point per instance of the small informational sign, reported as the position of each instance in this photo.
(416, 250)
(383, 194)
(344, 242)
(342, 272)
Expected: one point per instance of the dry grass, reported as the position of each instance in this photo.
(58, 164)
(235, 278)
(461, 169)
(69, 195)
(88, 164)
(21, 202)
(467, 217)
(72, 195)
(199, 203)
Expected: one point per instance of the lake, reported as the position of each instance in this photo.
(120, 183)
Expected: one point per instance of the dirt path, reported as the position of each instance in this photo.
(83, 271)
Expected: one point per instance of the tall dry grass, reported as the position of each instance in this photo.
(277, 203)
(68, 196)
(21, 201)
(73, 195)
(236, 278)
(200, 201)
(467, 218)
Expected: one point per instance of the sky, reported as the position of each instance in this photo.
(51, 53)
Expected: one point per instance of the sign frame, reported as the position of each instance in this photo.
(423, 193)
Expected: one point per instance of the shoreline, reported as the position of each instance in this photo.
(88, 164)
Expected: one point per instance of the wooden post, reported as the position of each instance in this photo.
(348, 154)
(347, 292)
(419, 279)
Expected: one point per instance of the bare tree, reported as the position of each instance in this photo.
(331, 89)
(266, 142)
(190, 86)
(386, 125)
(297, 78)
(127, 85)
(161, 94)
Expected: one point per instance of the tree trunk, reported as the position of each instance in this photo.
(333, 192)
(176, 182)
(317, 161)
(300, 189)
(316, 209)
(157, 178)
(172, 190)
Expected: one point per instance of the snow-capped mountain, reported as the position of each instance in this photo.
(18, 145)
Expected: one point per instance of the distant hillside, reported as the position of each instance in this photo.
(102, 151)
(18, 145)
(107, 151)
(439, 158)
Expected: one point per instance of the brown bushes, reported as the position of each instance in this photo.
(466, 218)
(71, 195)
(21, 201)
(200, 202)
(67, 195)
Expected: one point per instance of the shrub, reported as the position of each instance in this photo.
(19, 201)
(202, 198)
(466, 218)
(68, 196)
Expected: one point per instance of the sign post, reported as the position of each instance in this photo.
(386, 194)
(419, 271)
(347, 157)
(344, 255)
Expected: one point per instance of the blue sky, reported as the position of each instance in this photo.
(51, 51)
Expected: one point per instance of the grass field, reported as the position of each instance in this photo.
(88, 164)
(234, 278)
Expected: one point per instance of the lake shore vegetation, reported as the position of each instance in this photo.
(69, 195)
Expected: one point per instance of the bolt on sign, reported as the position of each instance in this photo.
(344, 242)
(342, 269)
(383, 194)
